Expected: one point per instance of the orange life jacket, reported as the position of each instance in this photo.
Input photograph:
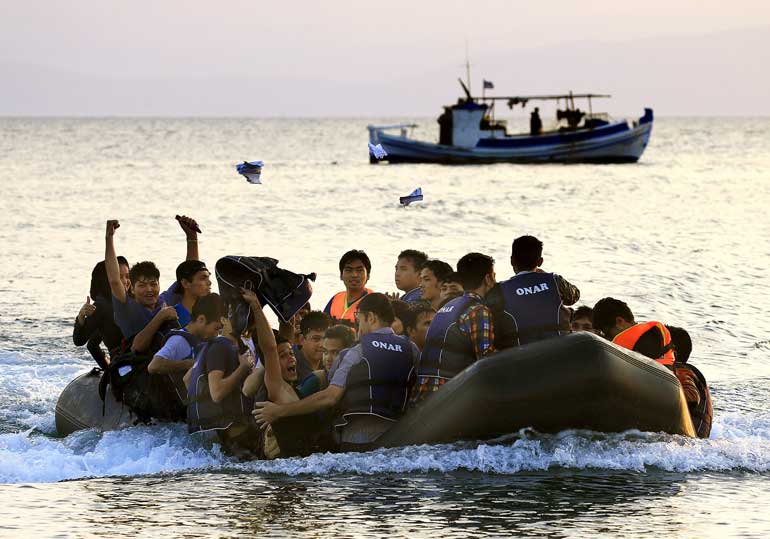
(629, 338)
(338, 311)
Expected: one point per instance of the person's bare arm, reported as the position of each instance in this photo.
(220, 386)
(161, 365)
(187, 376)
(111, 262)
(267, 413)
(143, 339)
(253, 382)
(273, 379)
(190, 226)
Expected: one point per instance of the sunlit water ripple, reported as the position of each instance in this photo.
(682, 236)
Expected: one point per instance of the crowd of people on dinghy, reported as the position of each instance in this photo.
(337, 378)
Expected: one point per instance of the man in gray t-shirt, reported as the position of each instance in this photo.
(375, 315)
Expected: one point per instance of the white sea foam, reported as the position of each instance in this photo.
(740, 443)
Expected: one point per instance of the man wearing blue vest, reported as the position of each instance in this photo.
(532, 302)
(369, 381)
(462, 331)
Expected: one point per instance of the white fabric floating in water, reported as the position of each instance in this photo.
(251, 171)
(377, 151)
(414, 196)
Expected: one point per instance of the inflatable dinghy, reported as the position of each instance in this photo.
(80, 407)
(578, 381)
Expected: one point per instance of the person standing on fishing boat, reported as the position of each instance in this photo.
(355, 269)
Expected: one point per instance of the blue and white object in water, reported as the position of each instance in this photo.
(414, 196)
(377, 151)
(250, 170)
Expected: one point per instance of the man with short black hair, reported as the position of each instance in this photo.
(616, 322)
(462, 331)
(407, 277)
(193, 281)
(433, 273)
(417, 321)
(533, 301)
(450, 288)
(309, 352)
(583, 319)
(355, 269)
(373, 377)
(336, 339)
(177, 353)
(141, 315)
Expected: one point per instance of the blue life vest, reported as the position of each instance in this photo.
(202, 412)
(379, 384)
(413, 296)
(447, 350)
(533, 301)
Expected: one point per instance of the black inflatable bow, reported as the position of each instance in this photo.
(284, 291)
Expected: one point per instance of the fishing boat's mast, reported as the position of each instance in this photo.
(467, 67)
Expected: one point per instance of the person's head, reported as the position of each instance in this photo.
(400, 309)
(193, 279)
(476, 272)
(451, 287)
(526, 253)
(206, 317)
(408, 267)
(433, 273)
(682, 343)
(100, 284)
(312, 328)
(583, 319)
(286, 359)
(145, 283)
(417, 322)
(336, 339)
(611, 316)
(355, 269)
(374, 312)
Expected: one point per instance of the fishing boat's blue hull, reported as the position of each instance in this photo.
(612, 143)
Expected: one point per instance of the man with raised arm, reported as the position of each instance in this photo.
(141, 315)
(370, 381)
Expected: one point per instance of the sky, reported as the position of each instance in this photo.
(395, 58)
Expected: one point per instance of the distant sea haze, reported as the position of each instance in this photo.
(716, 74)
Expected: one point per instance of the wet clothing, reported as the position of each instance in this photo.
(339, 308)
(651, 339)
(99, 327)
(413, 296)
(461, 333)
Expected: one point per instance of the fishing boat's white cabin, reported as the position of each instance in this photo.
(467, 125)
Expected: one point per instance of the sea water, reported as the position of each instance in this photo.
(682, 236)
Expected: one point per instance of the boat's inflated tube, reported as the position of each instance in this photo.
(578, 381)
(80, 407)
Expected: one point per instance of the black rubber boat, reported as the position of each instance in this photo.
(579, 381)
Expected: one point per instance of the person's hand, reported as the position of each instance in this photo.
(246, 360)
(168, 314)
(86, 310)
(112, 226)
(539, 270)
(392, 295)
(265, 413)
(250, 297)
(189, 225)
